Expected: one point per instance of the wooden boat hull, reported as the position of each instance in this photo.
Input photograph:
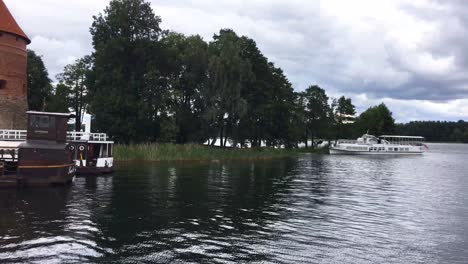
(46, 175)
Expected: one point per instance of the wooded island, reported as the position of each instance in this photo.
(144, 84)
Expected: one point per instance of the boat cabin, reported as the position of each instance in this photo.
(44, 158)
(403, 140)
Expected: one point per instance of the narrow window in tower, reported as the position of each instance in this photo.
(2, 84)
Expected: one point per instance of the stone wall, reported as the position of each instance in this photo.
(13, 92)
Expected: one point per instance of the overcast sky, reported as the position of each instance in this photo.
(410, 54)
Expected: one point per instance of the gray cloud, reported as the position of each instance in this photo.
(409, 54)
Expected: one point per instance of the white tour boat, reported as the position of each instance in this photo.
(383, 145)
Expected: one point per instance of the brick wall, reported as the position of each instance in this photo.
(13, 92)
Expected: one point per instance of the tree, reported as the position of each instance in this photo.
(129, 94)
(186, 64)
(58, 99)
(317, 111)
(280, 110)
(39, 84)
(343, 114)
(377, 120)
(345, 108)
(227, 73)
(258, 93)
(74, 78)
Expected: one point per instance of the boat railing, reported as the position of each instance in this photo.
(79, 136)
(347, 141)
(8, 155)
(406, 143)
(20, 135)
(13, 135)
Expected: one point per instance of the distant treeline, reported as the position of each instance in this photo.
(145, 84)
(436, 131)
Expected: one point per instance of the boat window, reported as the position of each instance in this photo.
(104, 151)
(43, 122)
(109, 150)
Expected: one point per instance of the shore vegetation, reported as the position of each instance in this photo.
(195, 152)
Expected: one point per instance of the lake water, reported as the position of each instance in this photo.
(310, 209)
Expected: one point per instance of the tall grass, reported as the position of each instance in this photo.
(188, 152)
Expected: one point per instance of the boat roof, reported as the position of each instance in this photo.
(393, 136)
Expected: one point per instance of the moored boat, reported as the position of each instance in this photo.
(43, 158)
(382, 145)
(92, 153)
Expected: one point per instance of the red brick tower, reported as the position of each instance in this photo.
(13, 67)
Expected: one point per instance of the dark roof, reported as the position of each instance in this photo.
(8, 23)
(50, 113)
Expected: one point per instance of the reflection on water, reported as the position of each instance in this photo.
(311, 209)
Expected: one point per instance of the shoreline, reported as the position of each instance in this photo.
(198, 153)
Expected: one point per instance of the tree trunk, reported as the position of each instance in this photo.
(313, 140)
(221, 137)
(225, 140)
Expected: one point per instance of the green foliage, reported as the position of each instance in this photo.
(317, 111)
(227, 73)
(74, 84)
(186, 62)
(39, 84)
(129, 91)
(344, 116)
(377, 120)
(345, 108)
(436, 131)
(57, 100)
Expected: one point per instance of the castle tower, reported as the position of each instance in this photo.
(13, 76)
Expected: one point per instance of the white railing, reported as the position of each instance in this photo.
(20, 135)
(14, 135)
(347, 141)
(10, 155)
(80, 136)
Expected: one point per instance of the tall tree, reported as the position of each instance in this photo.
(344, 117)
(280, 110)
(129, 87)
(377, 120)
(227, 73)
(257, 92)
(186, 64)
(74, 77)
(39, 84)
(317, 111)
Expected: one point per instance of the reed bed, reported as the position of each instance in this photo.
(193, 152)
